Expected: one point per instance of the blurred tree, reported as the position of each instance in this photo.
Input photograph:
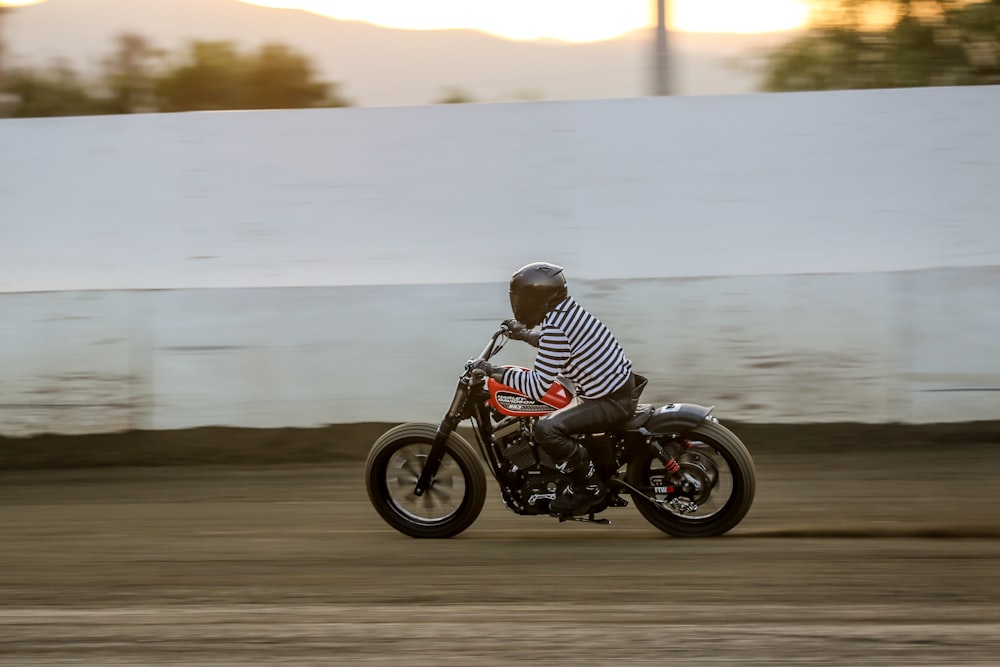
(279, 78)
(128, 75)
(57, 91)
(528, 95)
(214, 75)
(919, 43)
(455, 95)
(208, 77)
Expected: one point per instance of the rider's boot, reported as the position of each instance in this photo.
(586, 488)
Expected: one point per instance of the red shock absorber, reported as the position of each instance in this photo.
(669, 462)
(677, 479)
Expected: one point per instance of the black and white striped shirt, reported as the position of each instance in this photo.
(578, 346)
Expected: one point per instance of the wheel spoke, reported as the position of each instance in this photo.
(438, 493)
(406, 480)
(440, 501)
(410, 466)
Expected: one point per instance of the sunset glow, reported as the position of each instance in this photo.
(568, 20)
(739, 15)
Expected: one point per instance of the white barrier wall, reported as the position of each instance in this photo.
(804, 257)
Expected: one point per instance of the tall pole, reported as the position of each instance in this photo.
(8, 101)
(661, 52)
(3, 10)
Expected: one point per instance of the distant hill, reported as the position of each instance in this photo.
(384, 67)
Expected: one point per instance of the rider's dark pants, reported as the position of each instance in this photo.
(552, 432)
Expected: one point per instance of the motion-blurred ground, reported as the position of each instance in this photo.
(867, 545)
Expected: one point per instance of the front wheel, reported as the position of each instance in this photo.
(455, 497)
(714, 456)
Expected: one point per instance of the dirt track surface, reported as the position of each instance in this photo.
(852, 555)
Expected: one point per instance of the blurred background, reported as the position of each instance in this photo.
(254, 235)
(76, 57)
(335, 240)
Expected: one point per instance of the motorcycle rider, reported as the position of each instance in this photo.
(576, 345)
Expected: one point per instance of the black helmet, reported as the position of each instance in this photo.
(534, 290)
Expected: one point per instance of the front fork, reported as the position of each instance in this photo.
(445, 429)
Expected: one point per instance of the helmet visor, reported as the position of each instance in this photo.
(526, 308)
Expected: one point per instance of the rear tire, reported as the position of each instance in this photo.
(728, 502)
(449, 506)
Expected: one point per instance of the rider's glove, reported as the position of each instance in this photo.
(487, 369)
(518, 331)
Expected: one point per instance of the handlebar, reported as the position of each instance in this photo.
(491, 349)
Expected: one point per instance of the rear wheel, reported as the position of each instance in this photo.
(455, 497)
(719, 461)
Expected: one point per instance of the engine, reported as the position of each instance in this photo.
(532, 484)
(512, 437)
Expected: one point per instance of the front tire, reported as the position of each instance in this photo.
(715, 449)
(455, 497)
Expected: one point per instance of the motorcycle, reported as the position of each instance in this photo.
(688, 475)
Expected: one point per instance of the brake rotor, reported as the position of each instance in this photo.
(701, 468)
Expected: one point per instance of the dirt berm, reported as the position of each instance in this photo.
(350, 442)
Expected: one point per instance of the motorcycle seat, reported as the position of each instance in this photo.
(643, 412)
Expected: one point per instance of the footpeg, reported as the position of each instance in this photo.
(591, 519)
(582, 519)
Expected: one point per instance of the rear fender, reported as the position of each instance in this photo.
(677, 417)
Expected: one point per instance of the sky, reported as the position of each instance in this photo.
(568, 20)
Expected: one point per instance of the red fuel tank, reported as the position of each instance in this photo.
(515, 404)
